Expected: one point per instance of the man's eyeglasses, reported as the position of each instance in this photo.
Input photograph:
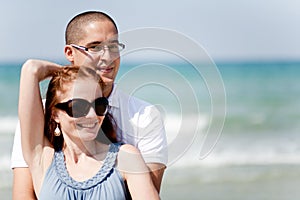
(80, 107)
(111, 47)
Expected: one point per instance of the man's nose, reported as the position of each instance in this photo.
(106, 54)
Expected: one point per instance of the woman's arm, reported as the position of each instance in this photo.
(31, 112)
(136, 174)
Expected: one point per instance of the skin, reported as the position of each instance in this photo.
(107, 66)
(22, 184)
(84, 155)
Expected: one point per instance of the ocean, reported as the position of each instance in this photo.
(254, 155)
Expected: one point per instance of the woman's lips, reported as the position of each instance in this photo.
(88, 125)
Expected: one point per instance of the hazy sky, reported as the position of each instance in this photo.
(227, 29)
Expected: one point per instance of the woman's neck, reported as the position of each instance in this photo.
(76, 152)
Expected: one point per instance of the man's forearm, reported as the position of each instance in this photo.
(22, 185)
(156, 171)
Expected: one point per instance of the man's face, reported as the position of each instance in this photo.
(106, 64)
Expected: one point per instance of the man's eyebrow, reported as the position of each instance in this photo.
(101, 42)
(113, 41)
(94, 43)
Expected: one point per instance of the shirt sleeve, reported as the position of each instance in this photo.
(152, 141)
(17, 159)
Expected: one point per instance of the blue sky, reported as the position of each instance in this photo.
(228, 30)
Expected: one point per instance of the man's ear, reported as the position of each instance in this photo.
(68, 50)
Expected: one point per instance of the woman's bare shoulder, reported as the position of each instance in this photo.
(130, 160)
(129, 149)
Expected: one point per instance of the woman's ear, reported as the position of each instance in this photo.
(68, 50)
(55, 116)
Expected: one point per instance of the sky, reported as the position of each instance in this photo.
(227, 30)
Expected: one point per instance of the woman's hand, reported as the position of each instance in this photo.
(41, 69)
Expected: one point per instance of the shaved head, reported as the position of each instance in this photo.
(75, 30)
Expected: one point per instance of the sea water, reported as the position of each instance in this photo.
(257, 154)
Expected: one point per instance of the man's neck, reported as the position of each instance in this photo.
(107, 89)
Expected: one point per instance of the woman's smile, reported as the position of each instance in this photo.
(89, 125)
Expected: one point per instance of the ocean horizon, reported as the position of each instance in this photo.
(257, 154)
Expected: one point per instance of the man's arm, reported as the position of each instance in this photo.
(156, 171)
(153, 144)
(22, 184)
(136, 174)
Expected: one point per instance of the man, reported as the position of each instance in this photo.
(92, 40)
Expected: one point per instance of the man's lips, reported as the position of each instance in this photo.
(106, 69)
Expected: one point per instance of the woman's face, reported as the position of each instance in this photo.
(86, 127)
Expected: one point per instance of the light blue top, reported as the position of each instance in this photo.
(106, 184)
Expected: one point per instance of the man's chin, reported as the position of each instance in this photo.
(106, 77)
(107, 80)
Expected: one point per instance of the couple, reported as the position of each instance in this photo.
(66, 159)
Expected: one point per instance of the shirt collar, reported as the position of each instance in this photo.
(113, 97)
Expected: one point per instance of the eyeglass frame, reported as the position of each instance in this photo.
(104, 46)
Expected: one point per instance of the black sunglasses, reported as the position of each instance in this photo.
(80, 107)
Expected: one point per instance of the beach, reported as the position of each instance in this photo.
(257, 155)
(233, 183)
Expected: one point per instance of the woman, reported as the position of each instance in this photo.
(61, 148)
